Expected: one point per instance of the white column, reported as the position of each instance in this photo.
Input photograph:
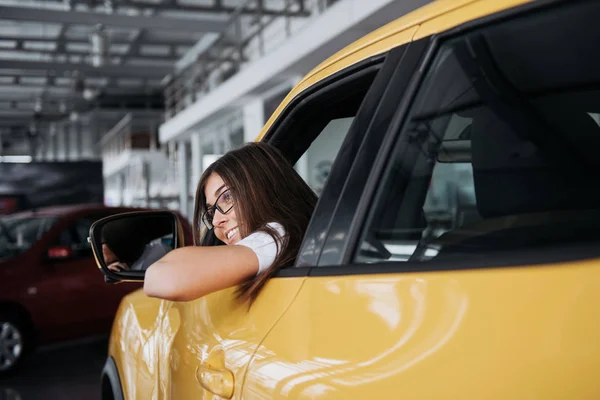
(196, 143)
(54, 143)
(226, 137)
(48, 156)
(73, 141)
(62, 143)
(122, 187)
(254, 119)
(40, 147)
(218, 144)
(182, 160)
(88, 142)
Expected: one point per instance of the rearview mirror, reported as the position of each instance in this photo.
(125, 245)
(454, 151)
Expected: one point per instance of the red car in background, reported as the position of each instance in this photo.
(50, 287)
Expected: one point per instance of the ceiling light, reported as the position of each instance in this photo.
(38, 105)
(89, 94)
(15, 159)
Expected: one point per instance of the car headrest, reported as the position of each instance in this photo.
(511, 176)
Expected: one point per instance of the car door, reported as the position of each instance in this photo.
(279, 357)
(459, 265)
(207, 344)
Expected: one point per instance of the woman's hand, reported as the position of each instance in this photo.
(118, 266)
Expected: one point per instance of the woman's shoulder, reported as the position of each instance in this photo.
(261, 237)
(278, 227)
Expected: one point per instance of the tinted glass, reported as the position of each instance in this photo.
(314, 165)
(17, 234)
(499, 154)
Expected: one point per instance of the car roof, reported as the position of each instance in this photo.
(396, 33)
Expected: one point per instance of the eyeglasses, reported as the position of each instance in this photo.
(224, 204)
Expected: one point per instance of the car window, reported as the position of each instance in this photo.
(315, 164)
(499, 154)
(75, 236)
(81, 231)
(19, 233)
(311, 133)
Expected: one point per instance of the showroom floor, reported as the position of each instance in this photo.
(60, 372)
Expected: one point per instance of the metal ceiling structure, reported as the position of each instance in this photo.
(63, 56)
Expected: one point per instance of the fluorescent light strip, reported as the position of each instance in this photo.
(15, 159)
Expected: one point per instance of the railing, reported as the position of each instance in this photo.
(134, 131)
(243, 40)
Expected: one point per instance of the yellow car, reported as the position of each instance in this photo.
(454, 249)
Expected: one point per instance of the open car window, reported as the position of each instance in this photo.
(312, 132)
(499, 154)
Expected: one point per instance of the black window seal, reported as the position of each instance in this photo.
(388, 146)
(412, 49)
(354, 71)
(293, 272)
(557, 255)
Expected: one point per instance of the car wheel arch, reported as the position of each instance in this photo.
(20, 312)
(111, 382)
(19, 321)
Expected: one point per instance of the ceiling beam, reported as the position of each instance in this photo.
(204, 9)
(149, 41)
(117, 71)
(50, 95)
(6, 98)
(138, 54)
(93, 18)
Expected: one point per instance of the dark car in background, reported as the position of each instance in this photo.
(50, 287)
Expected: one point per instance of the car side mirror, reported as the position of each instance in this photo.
(126, 244)
(58, 253)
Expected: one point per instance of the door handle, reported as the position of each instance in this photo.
(216, 381)
(214, 377)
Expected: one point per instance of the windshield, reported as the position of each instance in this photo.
(17, 233)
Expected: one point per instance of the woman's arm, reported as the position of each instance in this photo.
(191, 272)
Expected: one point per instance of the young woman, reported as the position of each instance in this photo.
(253, 201)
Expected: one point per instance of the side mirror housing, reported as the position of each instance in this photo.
(126, 244)
(57, 253)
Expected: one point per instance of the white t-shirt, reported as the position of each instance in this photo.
(263, 245)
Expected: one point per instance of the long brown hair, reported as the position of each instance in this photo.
(266, 189)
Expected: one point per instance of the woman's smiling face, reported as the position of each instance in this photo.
(225, 225)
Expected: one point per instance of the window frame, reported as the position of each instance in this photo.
(348, 156)
(344, 265)
(281, 135)
(397, 91)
